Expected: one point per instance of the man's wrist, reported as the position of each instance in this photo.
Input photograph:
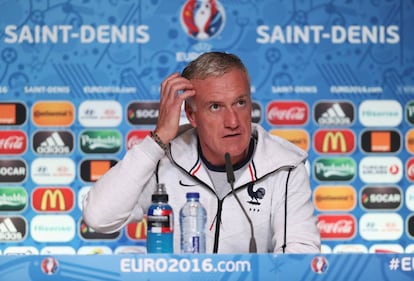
(158, 140)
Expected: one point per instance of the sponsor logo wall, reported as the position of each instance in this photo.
(79, 86)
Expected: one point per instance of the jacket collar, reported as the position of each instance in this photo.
(271, 153)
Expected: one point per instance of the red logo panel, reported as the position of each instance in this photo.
(287, 113)
(13, 142)
(49, 199)
(334, 141)
(339, 227)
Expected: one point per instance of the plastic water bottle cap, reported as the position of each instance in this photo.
(193, 195)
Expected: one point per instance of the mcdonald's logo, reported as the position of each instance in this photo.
(137, 230)
(334, 141)
(59, 199)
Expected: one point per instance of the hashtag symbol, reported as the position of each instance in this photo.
(394, 264)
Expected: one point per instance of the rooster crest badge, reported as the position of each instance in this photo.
(255, 195)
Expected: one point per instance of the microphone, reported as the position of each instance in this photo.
(231, 179)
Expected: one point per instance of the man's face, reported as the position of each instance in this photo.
(222, 115)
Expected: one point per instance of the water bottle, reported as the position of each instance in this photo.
(193, 218)
(160, 223)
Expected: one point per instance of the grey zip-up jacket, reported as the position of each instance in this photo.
(275, 173)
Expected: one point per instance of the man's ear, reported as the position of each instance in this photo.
(189, 112)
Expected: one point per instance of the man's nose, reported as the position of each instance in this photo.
(231, 119)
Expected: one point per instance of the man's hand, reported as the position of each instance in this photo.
(174, 90)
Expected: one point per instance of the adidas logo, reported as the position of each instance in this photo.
(9, 232)
(53, 144)
(334, 116)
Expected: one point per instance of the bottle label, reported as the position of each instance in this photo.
(196, 244)
(160, 221)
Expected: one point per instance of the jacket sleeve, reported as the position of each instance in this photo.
(117, 197)
(302, 234)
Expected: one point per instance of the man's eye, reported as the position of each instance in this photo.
(241, 102)
(215, 107)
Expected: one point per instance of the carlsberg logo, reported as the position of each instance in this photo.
(334, 169)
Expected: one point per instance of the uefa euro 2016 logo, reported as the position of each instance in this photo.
(202, 19)
(49, 265)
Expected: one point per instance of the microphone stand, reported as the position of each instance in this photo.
(231, 180)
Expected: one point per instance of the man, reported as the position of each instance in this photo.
(271, 179)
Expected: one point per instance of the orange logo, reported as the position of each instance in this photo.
(98, 168)
(380, 141)
(48, 113)
(7, 113)
(334, 198)
(409, 143)
(297, 137)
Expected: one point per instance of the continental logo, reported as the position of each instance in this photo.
(53, 113)
(381, 198)
(298, 137)
(334, 141)
(12, 114)
(88, 233)
(409, 112)
(143, 113)
(409, 141)
(334, 198)
(92, 170)
(335, 169)
(334, 113)
(137, 230)
(135, 137)
(102, 141)
(49, 199)
(376, 141)
(13, 199)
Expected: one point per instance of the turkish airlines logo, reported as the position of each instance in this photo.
(135, 137)
(12, 142)
(381, 198)
(336, 227)
(12, 229)
(334, 113)
(380, 169)
(47, 199)
(287, 113)
(12, 113)
(381, 141)
(12, 170)
(143, 113)
(334, 141)
(298, 137)
(92, 170)
(53, 142)
(53, 113)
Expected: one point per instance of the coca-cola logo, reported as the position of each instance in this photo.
(340, 227)
(135, 137)
(410, 169)
(287, 113)
(13, 142)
